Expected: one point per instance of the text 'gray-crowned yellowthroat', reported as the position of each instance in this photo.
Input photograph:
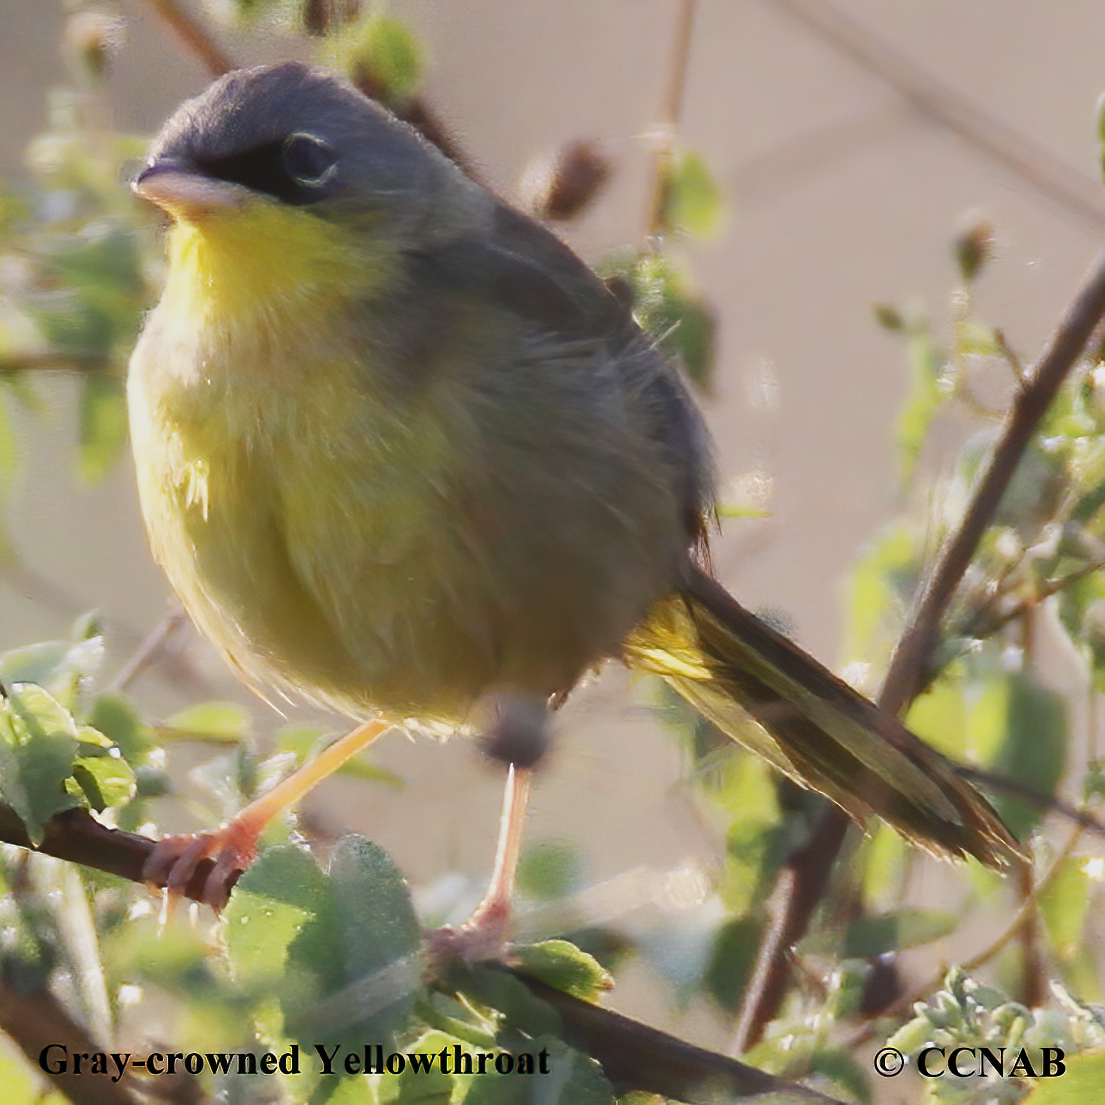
(401, 453)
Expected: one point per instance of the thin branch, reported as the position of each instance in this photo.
(1031, 161)
(799, 887)
(805, 876)
(681, 63)
(54, 362)
(1032, 987)
(670, 114)
(78, 837)
(631, 1054)
(150, 648)
(766, 176)
(196, 37)
(634, 1056)
(34, 1018)
(987, 620)
(993, 781)
(1024, 915)
(911, 664)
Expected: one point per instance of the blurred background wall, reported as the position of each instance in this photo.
(843, 185)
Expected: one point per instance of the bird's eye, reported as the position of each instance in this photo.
(308, 160)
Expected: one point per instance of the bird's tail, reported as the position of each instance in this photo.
(770, 696)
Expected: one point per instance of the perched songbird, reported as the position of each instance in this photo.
(402, 454)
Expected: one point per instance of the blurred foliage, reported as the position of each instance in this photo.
(1035, 583)
(380, 56)
(692, 201)
(321, 940)
(668, 307)
(965, 1013)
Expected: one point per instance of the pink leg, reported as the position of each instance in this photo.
(484, 934)
(174, 860)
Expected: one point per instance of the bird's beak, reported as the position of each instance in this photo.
(185, 193)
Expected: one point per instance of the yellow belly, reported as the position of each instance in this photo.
(371, 549)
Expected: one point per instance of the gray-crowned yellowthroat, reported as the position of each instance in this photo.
(400, 452)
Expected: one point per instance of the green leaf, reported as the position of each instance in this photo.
(939, 716)
(693, 200)
(426, 1086)
(974, 337)
(58, 666)
(305, 935)
(912, 1036)
(38, 741)
(925, 399)
(1082, 611)
(282, 889)
(668, 308)
(41, 713)
(97, 289)
(564, 967)
(493, 986)
(756, 838)
(893, 931)
(973, 249)
(249, 10)
(693, 337)
(987, 716)
(573, 1079)
(1101, 126)
(881, 581)
(886, 857)
(177, 960)
(347, 1091)
(9, 460)
(1063, 905)
(888, 316)
(219, 722)
(23, 1083)
(843, 1069)
(371, 896)
(732, 510)
(732, 960)
(381, 57)
(103, 425)
(1081, 1082)
(550, 869)
(1034, 748)
(115, 716)
(1039, 483)
(105, 780)
(92, 741)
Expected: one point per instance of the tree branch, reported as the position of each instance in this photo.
(78, 837)
(34, 1018)
(636, 1057)
(1031, 161)
(632, 1054)
(801, 883)
(911, 663)
(671, 113)
(196, 37)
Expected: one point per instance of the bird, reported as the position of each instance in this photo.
(403, 455)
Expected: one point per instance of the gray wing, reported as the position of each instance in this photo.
(523, 269)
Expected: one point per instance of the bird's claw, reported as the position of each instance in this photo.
(175, 859)
(482, 937)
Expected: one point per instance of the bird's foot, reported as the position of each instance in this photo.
(175, 859)
(483, 936)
